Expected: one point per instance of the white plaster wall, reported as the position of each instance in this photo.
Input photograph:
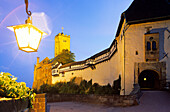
(99, 75)
(134, 41)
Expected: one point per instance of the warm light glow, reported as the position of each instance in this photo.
(144, 79)
(28, 37)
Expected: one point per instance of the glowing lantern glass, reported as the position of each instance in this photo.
(28, 36)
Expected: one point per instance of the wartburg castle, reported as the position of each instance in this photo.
(139, 54)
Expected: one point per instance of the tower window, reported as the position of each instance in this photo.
(136, 52)
(153, 45)
(64, 41)
(148, 46)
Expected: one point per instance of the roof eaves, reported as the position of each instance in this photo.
(149, 20)
(120, 24)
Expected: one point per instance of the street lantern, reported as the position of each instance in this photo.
(27, 35)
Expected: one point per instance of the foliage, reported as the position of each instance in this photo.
(12, 89)
(117, 85)
(65, 57)
(85, 87)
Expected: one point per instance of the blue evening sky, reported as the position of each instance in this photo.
(91, 24)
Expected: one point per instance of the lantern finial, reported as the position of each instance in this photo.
(29, 20)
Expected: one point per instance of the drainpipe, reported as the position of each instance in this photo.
(124, 51)
(124, 60)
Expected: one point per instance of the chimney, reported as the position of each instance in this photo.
(38, 60)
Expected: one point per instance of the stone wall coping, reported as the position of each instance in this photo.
(43, 95)
(108, 100)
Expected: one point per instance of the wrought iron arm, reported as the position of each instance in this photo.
(28, 12)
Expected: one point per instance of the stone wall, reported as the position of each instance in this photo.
(13, 105)
(42, 73)
(40, 103)
(115, 100)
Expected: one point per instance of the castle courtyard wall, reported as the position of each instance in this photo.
(123, 61)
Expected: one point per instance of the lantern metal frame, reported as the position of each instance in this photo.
(30, 46)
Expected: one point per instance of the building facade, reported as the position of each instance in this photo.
(139, 53)
(42, 73)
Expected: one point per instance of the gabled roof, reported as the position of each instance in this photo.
(145, 11)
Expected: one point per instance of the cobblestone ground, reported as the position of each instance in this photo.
(151, 101)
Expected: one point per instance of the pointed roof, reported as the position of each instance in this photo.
(141, 11)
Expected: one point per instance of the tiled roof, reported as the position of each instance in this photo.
(56, 66)
(145, 11)
(99, 54)
(73, 63)
(92, 57)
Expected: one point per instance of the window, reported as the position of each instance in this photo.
(64, 41)
(53, 71)
(136, 52)
(151, 38)
(62, 75)
(148, 46)
(153, 45)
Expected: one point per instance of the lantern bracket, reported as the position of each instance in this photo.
(28, 12)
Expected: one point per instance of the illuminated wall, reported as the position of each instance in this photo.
(42, 73)
(61, 42)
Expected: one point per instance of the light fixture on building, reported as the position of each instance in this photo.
(27, 35)
(144, 79)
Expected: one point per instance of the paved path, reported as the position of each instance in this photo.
(151, 101)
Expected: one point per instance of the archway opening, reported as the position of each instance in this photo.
(149, 79)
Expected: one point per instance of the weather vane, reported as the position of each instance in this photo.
(62, 29)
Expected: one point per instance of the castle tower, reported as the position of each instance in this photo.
(61, 42)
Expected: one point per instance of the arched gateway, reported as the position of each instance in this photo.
(150, 75)
(149, 79)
